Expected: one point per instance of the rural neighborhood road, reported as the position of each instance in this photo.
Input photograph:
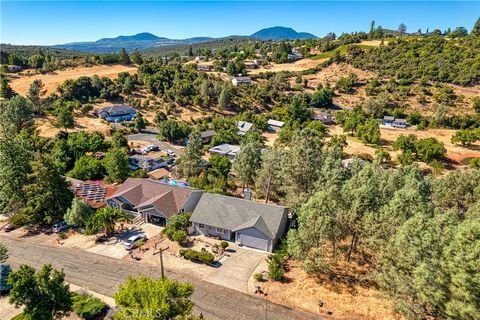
(104, 274)
(152, 138)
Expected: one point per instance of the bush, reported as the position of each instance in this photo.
(203, 256)
(276, 268)
(258, 277)
(168, 231)
(63, 235)
(224, 245)
(139, 243)
(87, 306)
(19, 316)
(180, 236)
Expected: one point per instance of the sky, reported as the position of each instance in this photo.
(58, 22)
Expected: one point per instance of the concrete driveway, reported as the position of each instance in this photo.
(236, 269)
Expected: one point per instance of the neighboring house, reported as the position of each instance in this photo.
(14, 68)
(400, 123)
(246, 222)
(244, 127)
(204, 67)
(159, 174)
(199, 58)
(225, 150)
(388, 120)
(275, 125)
(237, 81)
(325, 118)
(207, 136)
(148, 164)
(154, 201)
(117, 113)
(250, 65)
(258, 61)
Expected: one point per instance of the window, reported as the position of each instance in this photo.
(201, 226)
(220, 230)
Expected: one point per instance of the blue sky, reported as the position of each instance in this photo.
(55, 22)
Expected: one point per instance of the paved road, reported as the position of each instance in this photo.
(151, 137)
(103, 275)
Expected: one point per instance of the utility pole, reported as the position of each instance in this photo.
(160, 251)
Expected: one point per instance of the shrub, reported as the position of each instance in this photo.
(63, 235)
(87, 306)
(276, 269)
(139, 243)
(180, 236)
(168, 231)
(203, 256)
(224, 245)
(258, 277)
(5, 270)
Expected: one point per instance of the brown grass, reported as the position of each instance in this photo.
(20, 83)
(296, 66)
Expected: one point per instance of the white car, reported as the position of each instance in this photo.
(171, 153)
(129, 244)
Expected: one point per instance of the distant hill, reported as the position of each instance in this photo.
(281, 33)
(147, 41)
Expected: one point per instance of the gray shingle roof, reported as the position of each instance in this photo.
(237, 214)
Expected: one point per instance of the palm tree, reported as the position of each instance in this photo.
(107, 218)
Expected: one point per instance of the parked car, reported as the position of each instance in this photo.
(60, 226)
(171, 153)
(129, 244)
(150, 148)
(9, 227)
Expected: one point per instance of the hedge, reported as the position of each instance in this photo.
(87, 306)
(203, 256)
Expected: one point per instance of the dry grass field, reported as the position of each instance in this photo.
(20, 83)
(296, 66)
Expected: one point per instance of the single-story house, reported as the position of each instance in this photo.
(225, 150)
(148, 164)
(237, 81)
(248, 223)
(154, 201)
(400, 123)
(14, 68)
(207, 135)
(204, 67)
(250, 65)
(159, 174)
(275, 125)
(244, 127)
(325, 118)
(388, 120)
(117, 113)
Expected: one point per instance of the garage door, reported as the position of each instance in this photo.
(253, 242)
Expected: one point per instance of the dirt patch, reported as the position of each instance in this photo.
(296, 66)
(21, 83)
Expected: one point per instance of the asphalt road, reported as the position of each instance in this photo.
(104, 274)
(152, 138)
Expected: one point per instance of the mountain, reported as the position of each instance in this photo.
(147, 41)
(281, 33)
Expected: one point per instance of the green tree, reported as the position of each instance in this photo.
(190, 162)
(116, 164)
(225, 98)
(219, 165)
(476, 104)
(119, 140)
(78, 213)
(430, 149)
(161, 299)
(47, 193)
(137, 57)
(44, 295)
(269, 176)
(465, 137)
(402, 29)
(35, 94)
(106, 218)
(321, 98)
(3, 253)
(276, 268)
(172, 130)
(65, 118)
(6, 90)
(139, 123)
(16, 115)
(87, 168)
(369, 132)
(247, 162)
(123, 57)
(476, 29)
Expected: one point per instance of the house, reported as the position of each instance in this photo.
(388, 120)
(117, 113)
(325, 118)
(244, 127)
(250, 65)
(14, 68)
(275, 125)
(400, 123)
(204, 67)
(225, 150)
(199, 58)
(258, 61)
(154, 201)
(148, 164)
(207, 136)
(248, 223)
(237, 81)
(159, 174)
(94, 193)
